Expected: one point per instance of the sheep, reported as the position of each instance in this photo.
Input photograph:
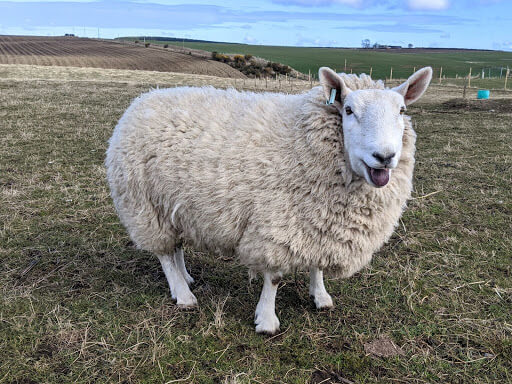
(312, 181)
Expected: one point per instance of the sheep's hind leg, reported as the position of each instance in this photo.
(317, 289)
(265, 317)
(180, 263)
(177, 283)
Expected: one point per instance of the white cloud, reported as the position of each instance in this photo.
(503, 46)
(317, 3)
(250, 39)
(428, 5)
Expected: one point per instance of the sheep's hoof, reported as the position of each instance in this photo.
(267, 324)
(187, 302)
(323, 301)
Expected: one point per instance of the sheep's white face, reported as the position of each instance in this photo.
(373, 127)
(373, 122)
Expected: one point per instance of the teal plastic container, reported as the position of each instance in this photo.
(483, 94)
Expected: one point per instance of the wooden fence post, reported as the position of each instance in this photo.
(345, 65)
(440, 75)
(469, 78)
(391, 74)
(506, 77)
(371, 71)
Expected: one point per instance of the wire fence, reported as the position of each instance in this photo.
(489, 77)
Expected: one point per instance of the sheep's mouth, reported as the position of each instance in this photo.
(378, 176)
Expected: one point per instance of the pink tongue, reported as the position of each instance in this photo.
(380, 177)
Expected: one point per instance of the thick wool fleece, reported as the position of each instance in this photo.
(262, 176)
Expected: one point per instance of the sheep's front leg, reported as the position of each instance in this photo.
(265, 317)
(177, 282)
(317, 289)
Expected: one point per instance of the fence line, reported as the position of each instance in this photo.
(286, 83)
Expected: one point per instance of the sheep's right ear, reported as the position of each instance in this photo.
(331, 80)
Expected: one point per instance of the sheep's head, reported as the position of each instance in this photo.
(373, 122)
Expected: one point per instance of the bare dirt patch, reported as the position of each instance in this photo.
(496, 105)
(383, 347)
(83, 52)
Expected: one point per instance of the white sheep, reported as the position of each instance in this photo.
(284, 182)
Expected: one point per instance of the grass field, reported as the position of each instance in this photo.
(402, 61)
(79, 304)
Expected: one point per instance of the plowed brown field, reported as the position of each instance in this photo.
(84, 52)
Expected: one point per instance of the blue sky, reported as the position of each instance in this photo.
(428, 23)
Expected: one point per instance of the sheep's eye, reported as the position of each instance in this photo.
(348, 110)
(402, 110)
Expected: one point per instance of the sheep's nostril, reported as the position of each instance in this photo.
(384, 159)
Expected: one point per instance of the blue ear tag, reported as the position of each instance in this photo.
(332, 98)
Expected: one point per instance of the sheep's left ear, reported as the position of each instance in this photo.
(415, 85)
(331, 80)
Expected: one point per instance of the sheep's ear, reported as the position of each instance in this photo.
(331, 80)
(415, 85)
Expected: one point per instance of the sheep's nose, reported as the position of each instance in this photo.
(384, 159)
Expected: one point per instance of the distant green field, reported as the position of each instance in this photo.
(454, 62)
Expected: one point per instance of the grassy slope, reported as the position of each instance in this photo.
(78, 303)
(403, 62)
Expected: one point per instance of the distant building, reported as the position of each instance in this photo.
(384, 46)
(70, 35)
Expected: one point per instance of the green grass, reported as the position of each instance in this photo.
(79, 304)
(306, 59)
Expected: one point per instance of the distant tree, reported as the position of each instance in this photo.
(410, 45)
(366, 43)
